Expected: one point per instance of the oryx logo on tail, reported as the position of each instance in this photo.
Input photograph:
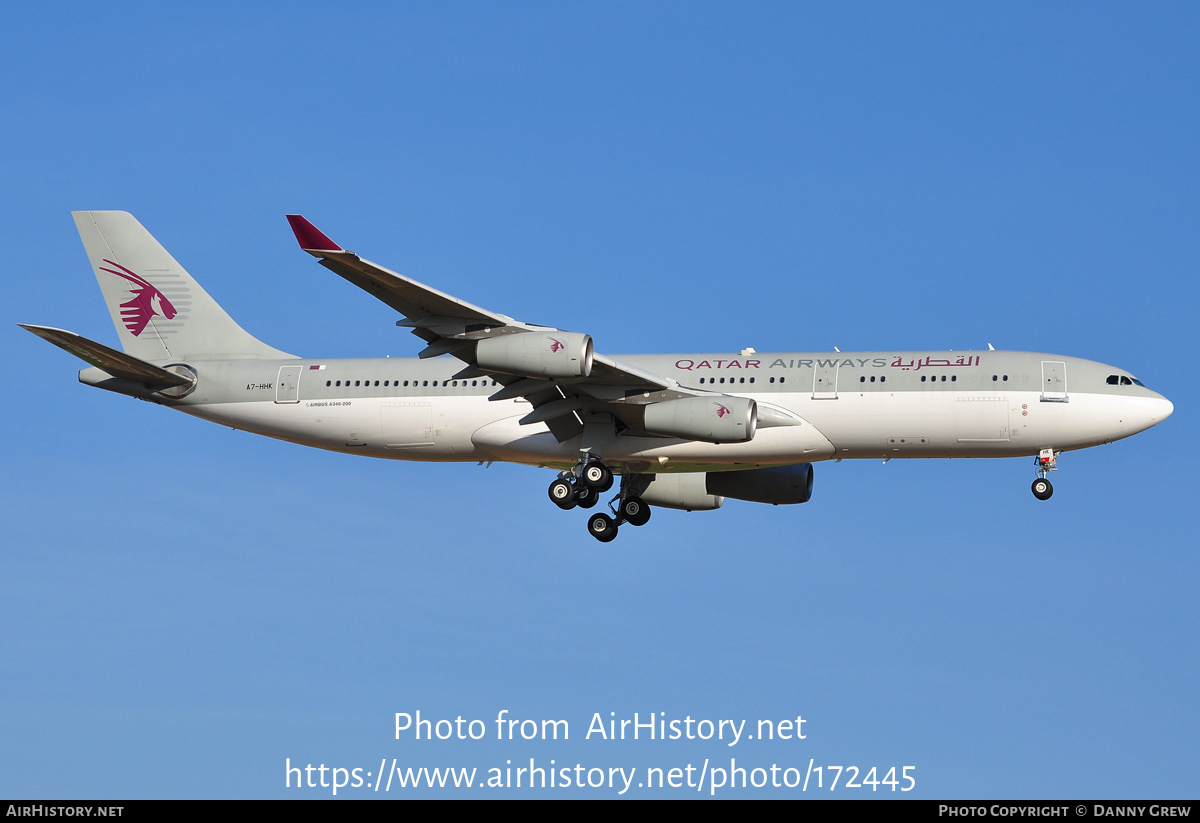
(147, 301)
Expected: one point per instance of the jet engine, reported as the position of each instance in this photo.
(553, 354)
(776, 485)
(681, 491)
(719, 419)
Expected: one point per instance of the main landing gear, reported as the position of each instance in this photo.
(583, 485)
(1046, 461)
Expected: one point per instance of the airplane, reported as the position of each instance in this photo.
(682, 431)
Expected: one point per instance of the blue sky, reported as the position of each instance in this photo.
(186, 607)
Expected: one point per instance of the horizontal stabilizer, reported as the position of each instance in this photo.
(116, 363)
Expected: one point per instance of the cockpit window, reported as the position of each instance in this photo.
(1137, 382)
(1125, 381)
(1113, 380)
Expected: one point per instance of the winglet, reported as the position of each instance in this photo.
(310, 237)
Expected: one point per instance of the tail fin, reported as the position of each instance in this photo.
(160, 312)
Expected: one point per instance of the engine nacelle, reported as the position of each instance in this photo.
(711, 419)
(554, 354)
(776, 485)
(681, 491)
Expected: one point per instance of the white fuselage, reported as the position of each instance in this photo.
(972, 413)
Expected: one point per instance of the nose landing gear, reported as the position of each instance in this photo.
(1046, 461)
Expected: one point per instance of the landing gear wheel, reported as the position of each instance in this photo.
(562, 494)
(585, 498)
(1042, 489)
(602, 527)
(635, 511)
(597, 476)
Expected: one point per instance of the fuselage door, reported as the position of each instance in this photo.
(1054, 381)
(825, 380)
(287, 387)
(406, 424)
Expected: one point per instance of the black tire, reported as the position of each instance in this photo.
(1042, 489)
(635, 511)
(585, 498)
(597, 476)
(563, 494)
(602, 527)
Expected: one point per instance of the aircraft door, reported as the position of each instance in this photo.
(406, 424)
(825, 380)
(287, 387)
(1054, 381)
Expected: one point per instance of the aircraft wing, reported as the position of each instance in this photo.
(430, 313)
(472, 334)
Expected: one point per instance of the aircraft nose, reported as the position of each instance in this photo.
(1139, 413)
(1162, 408)
(1148, 411)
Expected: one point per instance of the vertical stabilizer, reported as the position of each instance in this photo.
(160, 312)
